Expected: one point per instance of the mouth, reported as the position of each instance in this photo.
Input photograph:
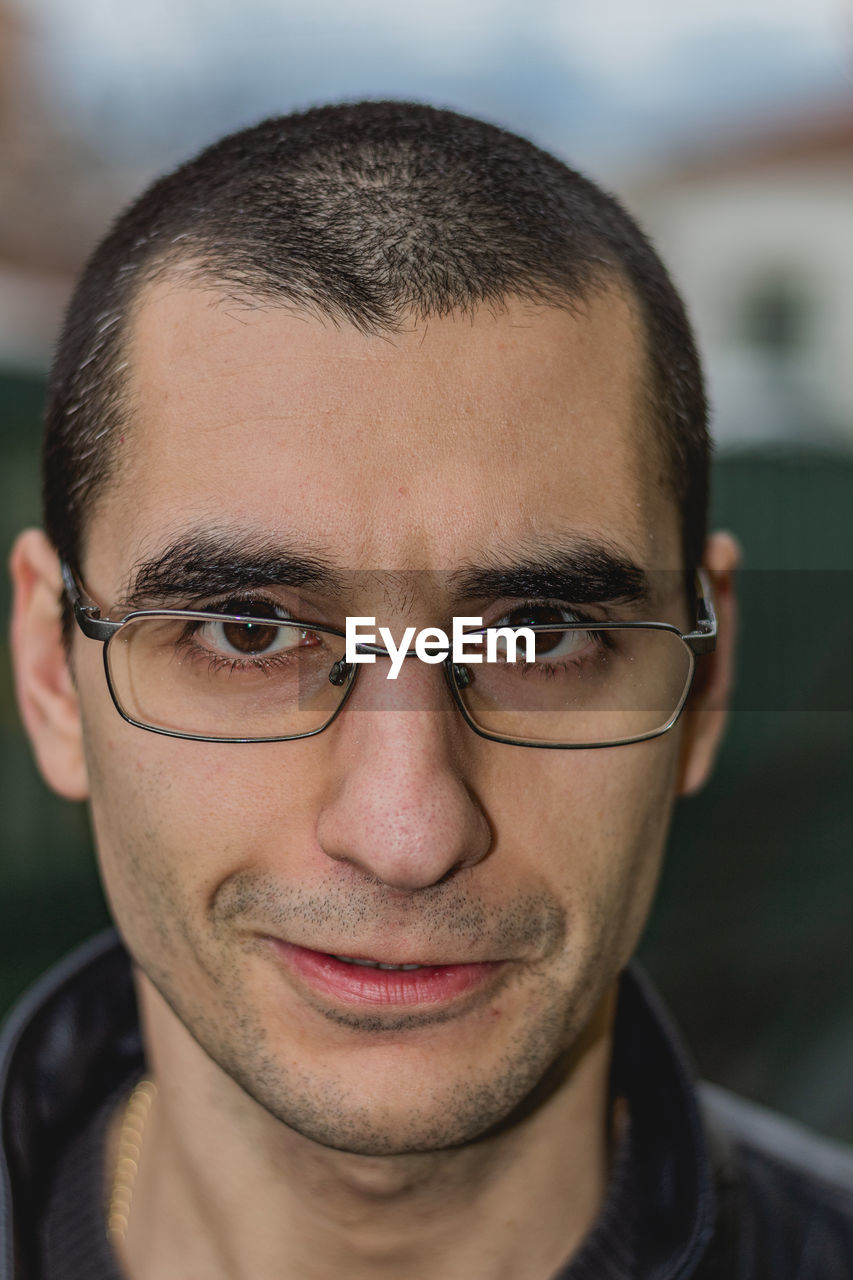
(359, 980)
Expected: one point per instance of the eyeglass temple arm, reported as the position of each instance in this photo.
(704, 638)
(87, 613)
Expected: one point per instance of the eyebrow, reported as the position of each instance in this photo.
(582, 572)
(202, 564)
(207, 563)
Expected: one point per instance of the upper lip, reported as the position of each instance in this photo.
(347, 952)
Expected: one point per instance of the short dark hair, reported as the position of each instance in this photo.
(368, 213)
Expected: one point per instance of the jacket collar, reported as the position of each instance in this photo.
(66, 1045)
(75, 1037)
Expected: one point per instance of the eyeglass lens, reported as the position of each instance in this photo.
(224, 678)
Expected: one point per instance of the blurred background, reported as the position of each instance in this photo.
(727, 127)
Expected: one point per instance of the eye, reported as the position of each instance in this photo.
(256, 638)
(550, 644)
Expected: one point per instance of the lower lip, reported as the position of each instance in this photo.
(360, 985)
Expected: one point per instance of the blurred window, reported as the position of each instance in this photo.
(775, 314)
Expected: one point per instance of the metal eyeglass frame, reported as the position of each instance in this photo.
(87, 614)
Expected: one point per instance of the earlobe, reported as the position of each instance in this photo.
(46, 694)
(707, 710)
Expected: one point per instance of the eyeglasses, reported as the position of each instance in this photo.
(224, 677)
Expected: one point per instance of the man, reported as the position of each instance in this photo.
(380, 365)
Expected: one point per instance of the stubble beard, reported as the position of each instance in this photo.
(434, 1108)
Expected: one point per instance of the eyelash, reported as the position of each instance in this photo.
(217, 662)
(574, 613)
(242, 605)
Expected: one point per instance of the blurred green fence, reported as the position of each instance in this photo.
(751, 936)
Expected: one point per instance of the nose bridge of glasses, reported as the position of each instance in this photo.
(381, 652)
(389, 683)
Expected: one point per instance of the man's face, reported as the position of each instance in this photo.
(397, 835)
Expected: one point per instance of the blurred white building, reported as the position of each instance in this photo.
(758, 232)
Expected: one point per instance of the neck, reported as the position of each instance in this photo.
(225, 1189)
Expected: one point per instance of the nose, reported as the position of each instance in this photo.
(399, 806)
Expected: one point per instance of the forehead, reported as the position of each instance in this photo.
(412, 450)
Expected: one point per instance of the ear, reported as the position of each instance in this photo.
(46, 693)
(707, 709)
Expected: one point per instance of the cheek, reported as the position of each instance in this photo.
(173, 819)
(149, 843)
(591, 826)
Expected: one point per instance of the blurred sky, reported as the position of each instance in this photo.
(604, 83)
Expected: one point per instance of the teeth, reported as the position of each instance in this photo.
(374, 964)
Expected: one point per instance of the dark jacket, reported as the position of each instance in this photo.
(703, 1186)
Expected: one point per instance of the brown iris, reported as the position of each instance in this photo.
(249, 637)
(528, 616)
